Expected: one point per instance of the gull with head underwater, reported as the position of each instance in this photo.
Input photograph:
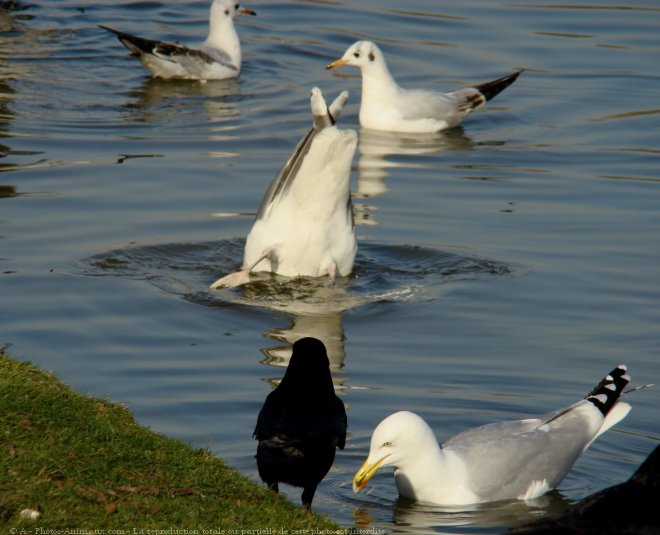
(387, 106)
(304, 226)
(217, 58)
(520, 459)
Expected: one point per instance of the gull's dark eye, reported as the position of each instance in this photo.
(356, 54)
(236, 6)
(371, 56)
(387, 444)
(226, 12)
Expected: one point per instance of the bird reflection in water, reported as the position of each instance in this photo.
(382, 152)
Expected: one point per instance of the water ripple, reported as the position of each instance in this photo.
(383, 273)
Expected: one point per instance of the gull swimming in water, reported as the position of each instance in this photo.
(386, 106)
(304, 226)
(301, 423)
(217, 58)
(520, 459)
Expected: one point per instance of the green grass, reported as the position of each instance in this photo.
(84, 463)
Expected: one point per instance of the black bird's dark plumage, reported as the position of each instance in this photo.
(301, 423)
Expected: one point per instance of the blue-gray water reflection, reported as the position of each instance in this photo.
(502, 266)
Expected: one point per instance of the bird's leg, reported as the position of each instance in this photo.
(329, 265)
(332, 270)
(274, 487)
(232, 280)
(308, 496)
(266, 253)
(240, 277)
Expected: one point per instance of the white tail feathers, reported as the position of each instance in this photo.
(614, 416)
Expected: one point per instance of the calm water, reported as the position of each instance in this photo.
(503, 268)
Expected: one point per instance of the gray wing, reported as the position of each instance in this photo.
(193, 59)
(324, 116)
(504, 459)
(422, 104)
(219, 56)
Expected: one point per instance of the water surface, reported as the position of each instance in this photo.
(503, 266)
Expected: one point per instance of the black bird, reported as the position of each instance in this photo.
(301, 423)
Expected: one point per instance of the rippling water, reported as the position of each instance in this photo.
(503, 267)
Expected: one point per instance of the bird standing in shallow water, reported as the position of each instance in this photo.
(304, 226)
(520, 459)
(217, 58)
(386, 106)
(301, 423)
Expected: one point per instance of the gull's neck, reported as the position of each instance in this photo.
(415, 474)
(223, 36)
(377, 82)
(434, 475)
(379, 92)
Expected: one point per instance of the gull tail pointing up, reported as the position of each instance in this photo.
(606, 395)
(607, 392)
(495, 87)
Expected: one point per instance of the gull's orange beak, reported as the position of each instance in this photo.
(337, 63)
(246, 11)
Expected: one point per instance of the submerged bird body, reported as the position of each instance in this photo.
(387, 106)
(301, 423)
(304, 226)
(217, 58)
(520, 459)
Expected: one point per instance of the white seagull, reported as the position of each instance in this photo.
(304, 226)
(217, 58)
(386, 106)
(520, 459)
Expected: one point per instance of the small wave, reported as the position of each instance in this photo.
(382, 273)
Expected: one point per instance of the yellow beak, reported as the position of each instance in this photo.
(337, 63)
(365, 473)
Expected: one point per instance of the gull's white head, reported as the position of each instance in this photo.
(399, 439)
(362, 54)
(226, 10)
(222, 33)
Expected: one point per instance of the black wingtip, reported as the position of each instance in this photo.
(111, 30)
(607, 392)
(136, 45)
(495, 87)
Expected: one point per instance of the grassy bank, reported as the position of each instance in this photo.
(85, 464)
